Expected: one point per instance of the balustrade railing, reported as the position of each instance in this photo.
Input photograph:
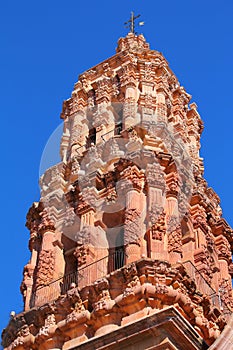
(205, 288)
(100, 268)
(91, 139)
(81, 277)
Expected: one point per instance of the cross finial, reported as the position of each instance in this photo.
(131, 23)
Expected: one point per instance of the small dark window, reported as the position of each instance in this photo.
(91, 137)
(118, 128)
(119, 257)
(117, 253)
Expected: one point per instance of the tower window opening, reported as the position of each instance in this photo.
(117, 253)
(119, 257)
(91, 137)
(118, 128)
(70, 274)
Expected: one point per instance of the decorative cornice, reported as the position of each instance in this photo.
(147, 284)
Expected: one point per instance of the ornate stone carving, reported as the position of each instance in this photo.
(134, 178)
(155, 176)
(103, 299)
(225, 293)
(116, 86)
(148, 71)
(47, 223)
(175, 240)
(130, 109)
(70, 218)
(75, 166)
(17, 342)
(49, 327)
(132, 167)
(111, 196)
(130, 271)
(103, 116)
(45, 267)
(132, 279)
(173, 184)
(102, 90)
(23, 337)
(205, 263)
(132, 226)
(27, 279)
(132, 43)
(223, 248)
(79, 312)
(158, 225)
(81, 253)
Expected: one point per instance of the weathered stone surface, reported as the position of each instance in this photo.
(127, 242)
(144, 288)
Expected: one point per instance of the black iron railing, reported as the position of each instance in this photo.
(100, 268)
(81, 277)
(92, 137)
(204, 287)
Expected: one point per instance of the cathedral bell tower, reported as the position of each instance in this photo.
(129, 249)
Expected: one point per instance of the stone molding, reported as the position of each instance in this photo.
(126, 295)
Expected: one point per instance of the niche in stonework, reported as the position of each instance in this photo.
(91, 139)
(70, 260)
(114, 223)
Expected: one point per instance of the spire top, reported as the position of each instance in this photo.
(131, 23)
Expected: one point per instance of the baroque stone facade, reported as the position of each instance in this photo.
(127, 237)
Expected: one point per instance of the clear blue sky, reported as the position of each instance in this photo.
(45, 45)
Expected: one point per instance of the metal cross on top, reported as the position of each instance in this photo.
(131, 23)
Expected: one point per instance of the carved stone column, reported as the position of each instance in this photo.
(92, 247)
(27, 284)
(161, 108)
(33, 220)
(156, 215)
(91, 227)
(174, 233)
(134, 217)
(130, 103)
(85, 255)
(50, 264)
(224, 258)
(132, 235)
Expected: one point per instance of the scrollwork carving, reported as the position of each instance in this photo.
(132, 226)
(45, 267)
(175, 240)
(81, 253)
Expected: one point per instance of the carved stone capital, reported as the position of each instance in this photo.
(223, 248)
(173, 184)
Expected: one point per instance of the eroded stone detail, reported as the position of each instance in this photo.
(158, 224)
(132, 226)
(45, 267)
(131, 140)
(175, 241)
(81, 253)
(145, 284)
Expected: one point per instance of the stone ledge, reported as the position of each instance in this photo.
(165, 327)
(123, 298)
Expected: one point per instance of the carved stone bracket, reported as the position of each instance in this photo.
(223, 248)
